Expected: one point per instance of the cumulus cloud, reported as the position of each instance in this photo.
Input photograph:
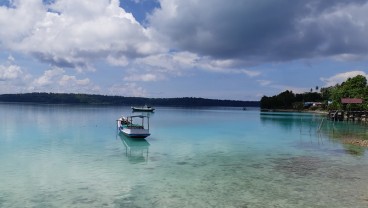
(179, 63)
(229, 35)
(177, 39)
(127, 89)
(72, 80)
(55, 80)
(10, 72)
(70, 33)
(341, 77)
(13, 79)
(144, 77)
(49, 77)
(261, 30)
(16, 21)
(168, 62)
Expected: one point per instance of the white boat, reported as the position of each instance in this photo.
(143, 108)
(129, 126)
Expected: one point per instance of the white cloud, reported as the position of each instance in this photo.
(172, 63)
(13, 79)
(49, 77)
(17, 22)
(11, 59)
(159, 66)
(178, 39)
(10, 72)
(55, 80)
(264, 82)
(117, 61)
(348, 57)
(127, 89)
(76, 33)
(73, 81)
(144, 77)
(250, 73)
(68, 33)
(341, 77)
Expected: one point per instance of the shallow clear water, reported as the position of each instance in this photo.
(71, 156)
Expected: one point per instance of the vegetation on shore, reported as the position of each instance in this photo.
(67, 98)
(328, 98)
(289, 100)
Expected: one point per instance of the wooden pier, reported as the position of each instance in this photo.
(339, 115)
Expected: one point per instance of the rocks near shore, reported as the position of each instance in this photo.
(357, 142)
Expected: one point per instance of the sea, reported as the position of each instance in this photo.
(73, 156)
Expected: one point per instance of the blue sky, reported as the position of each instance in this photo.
(236, 49)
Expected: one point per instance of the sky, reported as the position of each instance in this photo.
(234, 49)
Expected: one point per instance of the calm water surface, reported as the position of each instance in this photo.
(72, 156)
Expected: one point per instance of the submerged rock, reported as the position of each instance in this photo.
(357, 142)
(299, 166)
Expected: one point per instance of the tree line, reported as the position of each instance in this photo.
(329, 97)
(70, 98)
(289, 100)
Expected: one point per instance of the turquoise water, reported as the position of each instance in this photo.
(72, 156)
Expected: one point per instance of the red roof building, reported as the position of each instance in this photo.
(351, 100)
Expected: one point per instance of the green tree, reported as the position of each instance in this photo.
(355, 87)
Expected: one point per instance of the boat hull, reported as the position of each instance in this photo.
(143, 109)
(135, 133)
(127, 126)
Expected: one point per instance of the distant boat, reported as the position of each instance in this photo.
(129, 126)
(143, 108)
(244, 108)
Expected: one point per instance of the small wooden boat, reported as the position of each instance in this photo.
(129, 126)
(143, 108)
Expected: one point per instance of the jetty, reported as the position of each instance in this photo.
(349, 115)
(341, 115)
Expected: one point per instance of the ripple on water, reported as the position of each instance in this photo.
(182, 163)
(2, 201)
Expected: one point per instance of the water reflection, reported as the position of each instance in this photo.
(148, 114)
(135, 149)
(290, 120)
(352, 135)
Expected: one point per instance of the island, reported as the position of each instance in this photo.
(87, 99)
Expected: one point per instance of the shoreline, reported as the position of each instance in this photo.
(322, 112)
(355, 141)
